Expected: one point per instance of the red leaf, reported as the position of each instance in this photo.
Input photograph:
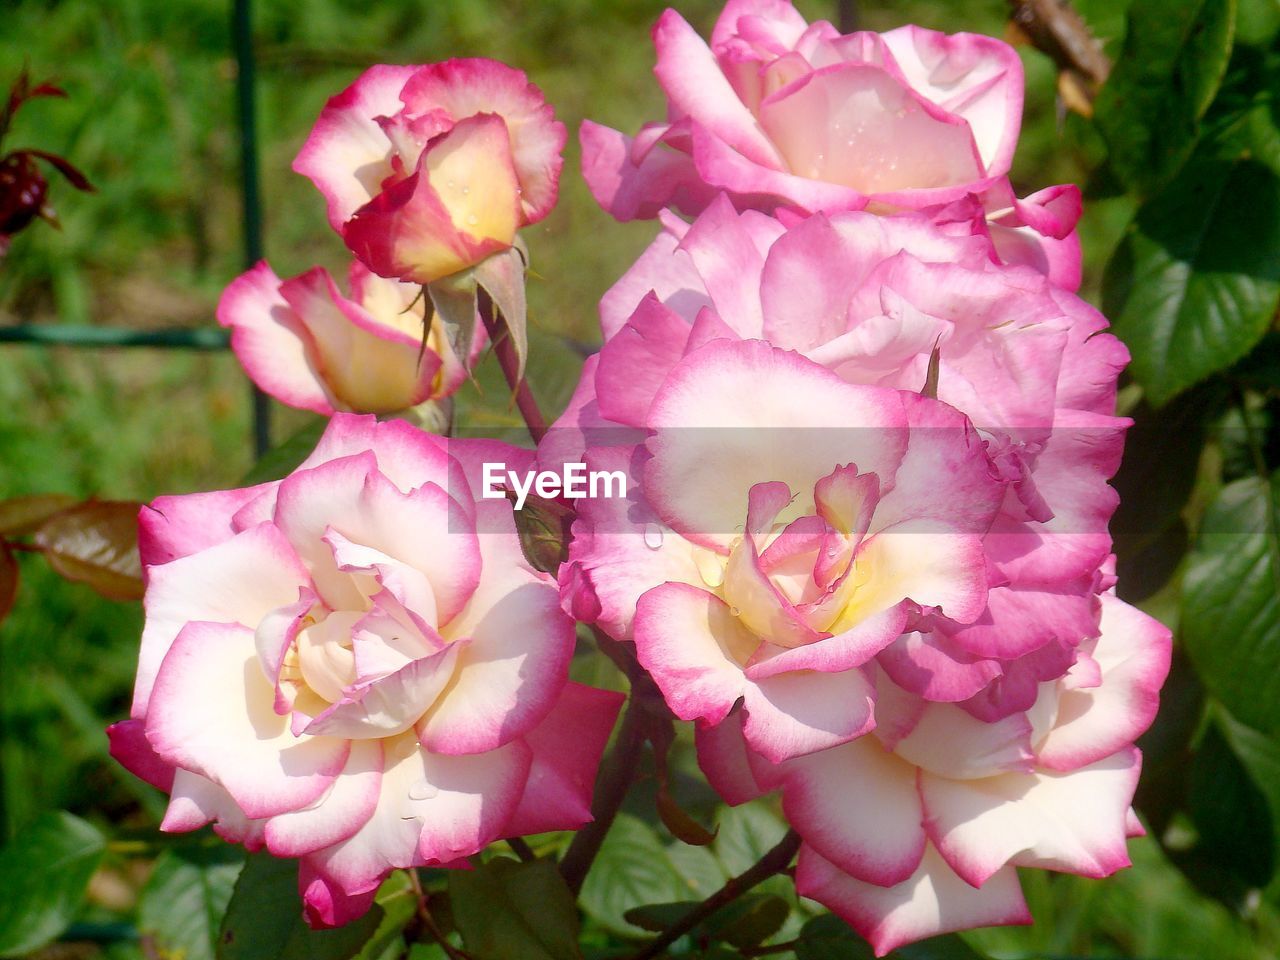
(20, 516)
(96, 543)
(65, 167)
(8, 580)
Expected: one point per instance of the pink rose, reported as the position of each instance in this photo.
(782, 529)
(917, 829)
(356, 666)
(869, 299)
(429, 170)
(778, 113)
(310, 347)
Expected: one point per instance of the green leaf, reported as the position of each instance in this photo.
(1167, 746)
(947, 947)
(701, 870)
(829, 938)
(1231, 603)
(1260, 755)
(1234, 851)
(749, 920)
(744, 922)
(399, 903)
(747, 833)
(1156, 478)
(1174, 56)
(182, 904)
(264, 919)
(631, 870)
(515, 911)
(280, 461)
(656, 917)
(1244, 121)
(1260, 369)
(1196, 281)
(1257, 21)
(44, 873)
(544, 529)
(1262, 116)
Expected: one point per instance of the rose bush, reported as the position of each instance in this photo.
(778, 113)
(867, 434)
(356, 666)
(429, 170)
(309, 346)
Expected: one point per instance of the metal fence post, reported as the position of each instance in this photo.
(242, 42)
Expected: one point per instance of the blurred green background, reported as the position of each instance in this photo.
(151, 120)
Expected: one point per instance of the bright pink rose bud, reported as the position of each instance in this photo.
(917, 829)
(429, 170)
(782, 114)
(309, 346)
(356, 666)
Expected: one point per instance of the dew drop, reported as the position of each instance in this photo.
(735, 612)
(710, 569)
(652, 536)
(472, 220)
(422, 791)
(465, 191)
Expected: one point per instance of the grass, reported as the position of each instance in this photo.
(150, 118)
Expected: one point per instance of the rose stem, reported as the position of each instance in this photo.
(775, 861)
(615, 778)
(429, 922)
(521, 849)
(510, 363)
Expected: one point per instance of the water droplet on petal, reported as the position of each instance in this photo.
(422, 790)
(709, 568)
(652, 536)
(473, 220)
(735, 612)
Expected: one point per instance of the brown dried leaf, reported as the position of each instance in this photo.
(96, 543)
(20, 516)
(661, 733)
(8, 580)
(682, 826)
(930, 388)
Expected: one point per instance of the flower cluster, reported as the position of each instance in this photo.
(426, 172)
(869, 429)
(866, 428)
